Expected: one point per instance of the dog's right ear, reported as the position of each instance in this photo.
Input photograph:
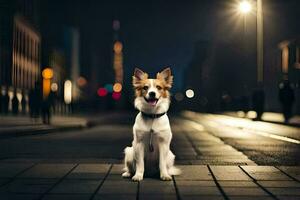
(138, 76)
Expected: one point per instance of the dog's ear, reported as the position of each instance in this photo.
(138, 76)
(166, 75)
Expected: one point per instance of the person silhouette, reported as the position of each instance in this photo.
(15, 103)
(258, 101)
(286, 99)
(23, 103)
(5, 101)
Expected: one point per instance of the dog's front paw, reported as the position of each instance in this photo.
(126, 175)
(165, 177)
(137, 177)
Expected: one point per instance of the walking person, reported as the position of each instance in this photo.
(15, 104)
(286, 99)
(258, 102)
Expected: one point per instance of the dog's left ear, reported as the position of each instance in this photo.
(166, 75)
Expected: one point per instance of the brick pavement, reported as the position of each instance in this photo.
(104, 181)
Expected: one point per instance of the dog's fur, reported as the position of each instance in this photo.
(152, 97)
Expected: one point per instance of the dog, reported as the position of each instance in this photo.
(150, 151)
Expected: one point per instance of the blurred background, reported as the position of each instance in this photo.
(65, 57)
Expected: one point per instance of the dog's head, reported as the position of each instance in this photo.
(152, 92)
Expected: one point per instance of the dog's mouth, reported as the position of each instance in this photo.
(151, 101)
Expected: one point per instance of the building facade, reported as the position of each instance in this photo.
(19, 49)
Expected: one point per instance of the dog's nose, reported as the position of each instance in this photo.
(152, 94)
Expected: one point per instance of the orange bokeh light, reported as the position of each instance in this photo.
(117, 87)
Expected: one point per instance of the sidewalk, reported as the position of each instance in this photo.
(267, 117)
(104, 181)
(12, 126)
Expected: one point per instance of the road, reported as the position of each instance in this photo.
(198, 139)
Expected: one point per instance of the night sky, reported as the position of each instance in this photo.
(163, 33)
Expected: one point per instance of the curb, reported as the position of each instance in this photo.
(15, 134)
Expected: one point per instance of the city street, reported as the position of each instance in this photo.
(221, 157)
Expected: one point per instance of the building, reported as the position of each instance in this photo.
(20, 43)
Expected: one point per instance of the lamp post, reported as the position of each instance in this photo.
(245, 7)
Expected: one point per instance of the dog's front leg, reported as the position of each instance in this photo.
(139, 153)
(163, 152)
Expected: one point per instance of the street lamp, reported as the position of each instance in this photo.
(245, 7)
(47, 75)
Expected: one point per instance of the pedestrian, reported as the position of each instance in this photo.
(5, 101)
(258, 102)
(47, 103)
(286, 99)
(35, 101)
(23, 103)
(15, 104)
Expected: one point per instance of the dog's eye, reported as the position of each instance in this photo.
(158, 87)
(145, 87)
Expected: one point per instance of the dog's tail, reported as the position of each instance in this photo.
(174, 171)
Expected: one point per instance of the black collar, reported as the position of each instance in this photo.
(152, 116)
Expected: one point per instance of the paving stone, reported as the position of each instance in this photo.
(244, 191)
(284, 191)
(280, 184)
(197, 188)
(76, 187)
(197, 172)
(47, 171)
(204, 197)
(195, 183)
(293, 171)
(119, 187)
(114, 197)
(89, 171)
(229, 173)
(158, 197)
(66, 196)
(237, 184)
(265, 173)
(250, 198)
(218, 162)
(32, 186)
(152, 186)
(288, 197)
(9, 170)
(19, 196)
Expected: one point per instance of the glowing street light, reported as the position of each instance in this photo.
(68, 91)
(245, 7)
(47, 75)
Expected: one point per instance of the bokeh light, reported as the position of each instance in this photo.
(117, 87)
(81, 81)
(189, 93)
(47, 73)
(118, 47)
(108, 87)
(179, 96)
(116, 95)
(102, 92)
(54, 87)
(68, 91)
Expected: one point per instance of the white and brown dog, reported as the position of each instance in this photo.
(150, 151)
